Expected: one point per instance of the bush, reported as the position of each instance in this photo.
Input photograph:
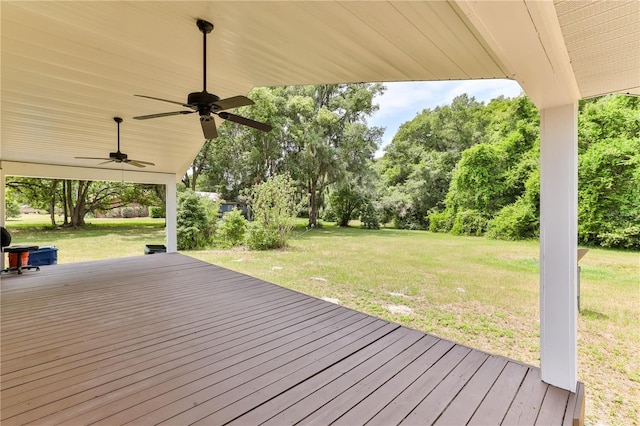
(609, 192)
(329, 215)
(274, 211)
(440, 221)
(469, 222)
(128, 212)
(369, 217)
(628, 238)
(196, 221)
(231, 229)
(262, 238)
(515, 222)
(156, 212)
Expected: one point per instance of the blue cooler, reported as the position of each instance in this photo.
(45, 255)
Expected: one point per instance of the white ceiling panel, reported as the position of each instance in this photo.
(603, 42)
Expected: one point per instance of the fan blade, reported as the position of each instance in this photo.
(162, 114)
(245, 121)
(233, 102)
(163, 100)
(143, 162)
(93, 158)
(135, 163)
(208, 127)
(105, 162)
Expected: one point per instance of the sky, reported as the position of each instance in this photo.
(401, 102)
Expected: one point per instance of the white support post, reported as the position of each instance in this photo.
(2, 207)
(171, 216)
(558, 245)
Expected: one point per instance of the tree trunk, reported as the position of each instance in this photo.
(186, 181)
(52, 203)
(64, 204)
(313, 204)
(195, 172)
(161, 193)
(78, 210)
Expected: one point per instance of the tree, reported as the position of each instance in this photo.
(328, 135)
(492, 176)
(609, 195)
(345, 201)
(78, 198)
(198, 165)
(417, 167)
(319, 133)
(41, 194)
(241, 156)
(12, 208)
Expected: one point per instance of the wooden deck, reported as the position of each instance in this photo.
(169, 339)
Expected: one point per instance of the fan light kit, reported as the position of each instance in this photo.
(206, 104)
(119, 157)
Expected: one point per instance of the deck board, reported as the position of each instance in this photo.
(169, 339)
(499, 399)
(463, 406)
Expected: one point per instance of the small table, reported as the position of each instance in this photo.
(20, 250)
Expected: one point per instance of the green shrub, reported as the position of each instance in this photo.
(274, 211)
(128, 212)
(609, 192)
(157, 212)
(196, 221)
(469, 222)
(369, 217)
(329, 215)
(260, 237)
(440, 221)
(628, 238)
(515, 222)
(231, 229)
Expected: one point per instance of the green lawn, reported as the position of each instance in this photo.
(476, 291)
(100, 239)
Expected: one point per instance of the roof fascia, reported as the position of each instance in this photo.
(527, 38)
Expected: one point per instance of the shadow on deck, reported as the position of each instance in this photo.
(169, 339)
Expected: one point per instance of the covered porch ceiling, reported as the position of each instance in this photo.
(69, 67)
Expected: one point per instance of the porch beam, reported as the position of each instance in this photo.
(558, 245)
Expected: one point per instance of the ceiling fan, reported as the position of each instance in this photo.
(206, 104)
(119, 157)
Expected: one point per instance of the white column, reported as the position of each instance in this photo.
(171, 216)
(558, 245)
(2, 207)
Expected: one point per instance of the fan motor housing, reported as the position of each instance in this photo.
(118, 155)
(202, 99)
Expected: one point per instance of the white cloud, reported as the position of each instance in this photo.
(403, 100)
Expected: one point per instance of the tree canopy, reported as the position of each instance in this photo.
(319, 137)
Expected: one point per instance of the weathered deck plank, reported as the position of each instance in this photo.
(169, 339)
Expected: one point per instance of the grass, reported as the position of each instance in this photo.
(100, 239)
(479, 292)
